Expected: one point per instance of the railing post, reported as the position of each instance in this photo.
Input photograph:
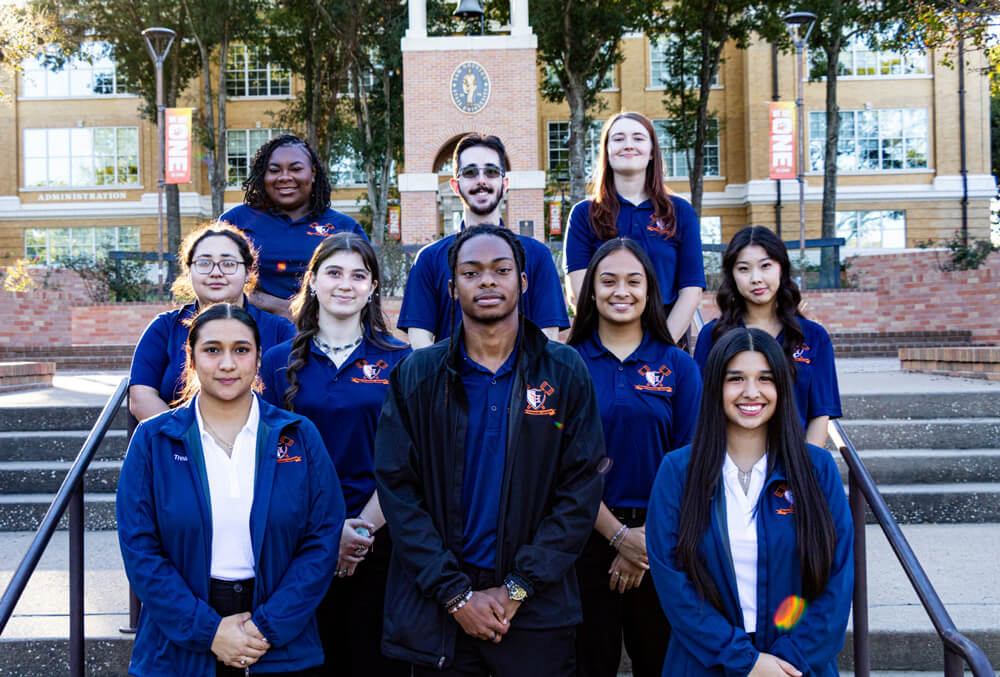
(76, 636)
(954, 666)
(862, 659)
(131, 423)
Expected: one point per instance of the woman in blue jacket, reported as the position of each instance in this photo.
(757, 290)
(749, 533)
(633, 201)
(335, 372)
(228, 515)
(648, 391)
(218, 265)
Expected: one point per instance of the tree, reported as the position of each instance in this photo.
(838, 23)
(696, 31)
(24, 31)
(578, 43)
(119, 23)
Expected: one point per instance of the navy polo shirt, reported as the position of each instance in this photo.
(676, 259)
(284, 247)
(816, 390)
(427, 305)
(160, 355)
(343, 403)
(488, 395)
(649, 405)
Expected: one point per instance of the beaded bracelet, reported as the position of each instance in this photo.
(623, 532)
(458, 602)
(618, 533)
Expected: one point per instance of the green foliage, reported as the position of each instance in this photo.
(963, 255)
(17, 277)
(394, 264)
(24, 31)
(107, 281)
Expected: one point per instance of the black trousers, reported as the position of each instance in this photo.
(609, 615)
(233, 597)
(350, 619)
(521, 652)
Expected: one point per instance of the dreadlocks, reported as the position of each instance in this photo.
(256, 197)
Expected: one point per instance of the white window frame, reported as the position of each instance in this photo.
(58, 84)
(233, 181)
(592, 147)
(245, 60)
(816, 145)
(656, 82)
(85, 236)
(346, 164)
(913, 63)
(673, 157)
(65, 150)
(857, 215)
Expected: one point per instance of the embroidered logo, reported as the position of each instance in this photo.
(370, 372)
(782, 491)
(321, 229)
(658, 227)
(654, 379)
(536, 400)
(799, 355)
(284, 444)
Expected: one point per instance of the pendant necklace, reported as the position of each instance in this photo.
(328, 349)
(226, 446)
(744, 479)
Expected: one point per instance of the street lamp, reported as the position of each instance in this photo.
(158, 41)
(799, 26)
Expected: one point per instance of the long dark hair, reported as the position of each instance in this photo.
(248, 255)
(733, 306)
(218, 311)
(785, 445)
(305, 307)
(255, 195)
(654, 318)
(604, 207)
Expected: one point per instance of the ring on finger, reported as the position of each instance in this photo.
(243, 661)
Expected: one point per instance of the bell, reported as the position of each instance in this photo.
(469, 9)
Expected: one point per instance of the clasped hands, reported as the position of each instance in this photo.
(487, 614)
(353, 546)
(631, 563)
(237, 642)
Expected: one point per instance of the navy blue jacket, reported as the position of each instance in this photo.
(549, 496)
(706, 642)
(165, 531)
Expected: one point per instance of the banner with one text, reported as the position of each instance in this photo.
(178, 144)
(781, 138)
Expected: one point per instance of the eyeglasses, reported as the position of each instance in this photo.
(206, 266)
(472, 172)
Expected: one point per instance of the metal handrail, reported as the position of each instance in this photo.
(70, 495)
(957, 647)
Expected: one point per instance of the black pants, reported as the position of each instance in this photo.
(233, 597)
(350, 619)
(608, 615)
(521, 652)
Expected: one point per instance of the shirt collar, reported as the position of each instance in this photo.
(501, 224)
(645, 204)
(253, 420)
(468, 365)
(648, 351)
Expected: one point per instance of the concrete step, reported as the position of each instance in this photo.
(54, 445)
(917, 405)
(24, 512)
(927, 433)
(970, 503)
(45, 477)
(929, 466)
(16, 419)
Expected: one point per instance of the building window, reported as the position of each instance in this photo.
(241, 146)
(347, 170)
(606, 83)
(81, 156)
(872, 140)
(872, 229)
(249, 73)
(857, 58)
(711, 230)
(660, 61)
(675, 160)
(558, 147)
(93, 73)
(46, 246)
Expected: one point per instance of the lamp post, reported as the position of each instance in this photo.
(799, 26)
(158, 41)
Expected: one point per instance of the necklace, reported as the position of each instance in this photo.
(744, 479)
(227, 446)
(327, 348)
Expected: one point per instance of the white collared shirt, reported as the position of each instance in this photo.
(741, 522)
(230, 488)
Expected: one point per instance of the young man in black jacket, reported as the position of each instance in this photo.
(486, 459)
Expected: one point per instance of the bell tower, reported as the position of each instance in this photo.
(454, 85)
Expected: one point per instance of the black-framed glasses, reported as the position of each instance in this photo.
(206, 266)
(472, 171)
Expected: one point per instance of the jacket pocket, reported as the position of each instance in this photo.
(415, 627)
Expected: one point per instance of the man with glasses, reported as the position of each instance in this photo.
(480, 180)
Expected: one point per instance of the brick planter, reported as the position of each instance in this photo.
(25, 375)
(970, 361)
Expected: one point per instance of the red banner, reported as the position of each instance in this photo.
(178, 145)
(781, 128)
(555, 218)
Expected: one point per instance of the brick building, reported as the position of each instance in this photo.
(78, 172)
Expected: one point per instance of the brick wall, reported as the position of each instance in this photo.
(117, 324)
(836, 310)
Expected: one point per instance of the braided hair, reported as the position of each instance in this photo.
(305, 308)
(255, 195)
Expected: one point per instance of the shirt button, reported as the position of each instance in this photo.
(237, 587)
(334, 378)
(621, 368)
(493, 408)
(493, 382)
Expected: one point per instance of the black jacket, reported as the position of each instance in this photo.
(549, 497)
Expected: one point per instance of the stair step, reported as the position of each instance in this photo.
(969, 503)
(933, 433)
(921, 405)
(45, 477)
(54, 445)
(58, 418)
(929, 466)
(24, 512)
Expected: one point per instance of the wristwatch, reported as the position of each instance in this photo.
(514, 591)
